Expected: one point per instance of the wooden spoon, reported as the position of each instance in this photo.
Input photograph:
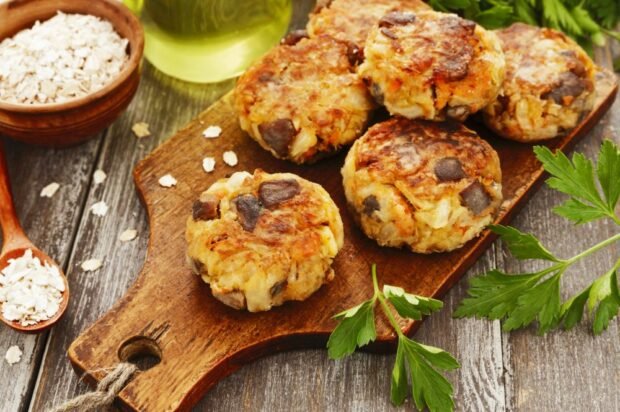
(15, 244)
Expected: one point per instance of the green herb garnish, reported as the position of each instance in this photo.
(420, 362)
(586, 21)
(521, 299)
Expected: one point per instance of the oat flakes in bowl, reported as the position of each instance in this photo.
(54, 104)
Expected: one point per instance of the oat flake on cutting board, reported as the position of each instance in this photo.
(230, 158)
(208, 164)
(212, 132)
(167, 181)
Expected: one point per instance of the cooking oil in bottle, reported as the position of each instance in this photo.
(207, 41)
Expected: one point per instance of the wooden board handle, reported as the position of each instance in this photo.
(158, 320)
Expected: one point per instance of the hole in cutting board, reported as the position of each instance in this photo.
(141, 351)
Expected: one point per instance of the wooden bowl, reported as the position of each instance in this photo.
(74, 121)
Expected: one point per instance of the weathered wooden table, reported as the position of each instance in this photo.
(563, 371)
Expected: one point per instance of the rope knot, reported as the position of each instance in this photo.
(105, 393)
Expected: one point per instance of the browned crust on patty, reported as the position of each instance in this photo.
(430, 186)
(273, 239)
(432, 65)
(457, 47)
(318, 57)
(352, 20)
(309, 86)
(390, 150)
(517, 40)
(281, 224)
(549, 84)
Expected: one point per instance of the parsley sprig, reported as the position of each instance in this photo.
(420, 362)
(521, 299)
(586, 21)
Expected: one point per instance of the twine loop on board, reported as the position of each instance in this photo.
(105, 392)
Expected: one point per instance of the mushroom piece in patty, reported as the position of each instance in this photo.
(263, 239)
(430, 65)
(303, 100)
(429, 186)
(350, 21)
(549, 85)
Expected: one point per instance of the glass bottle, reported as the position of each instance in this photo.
(207, 41)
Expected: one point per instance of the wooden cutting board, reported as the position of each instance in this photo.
(170, 313)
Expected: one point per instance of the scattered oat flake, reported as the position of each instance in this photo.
(230, 158)
(208, 164)
(50, 190)
(13, 355)
(128, 235)
(212, 132)
(167, 181)
(141, 130)
(99, 176)
(91, 265)
(99, 209)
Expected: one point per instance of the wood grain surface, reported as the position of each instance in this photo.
(170, 313)
(499, 371)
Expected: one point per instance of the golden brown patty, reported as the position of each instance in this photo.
(260, 240)
(549, 84)
(430, 186)
(351, 20)
(303, 101)
(432, 65)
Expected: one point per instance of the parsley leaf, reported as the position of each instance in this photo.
(495, 294)
(608, 171)
(447, 5)
(604, 292)
(572, 310)
(499, 15)
(522, 299)
(400, 385)
(606, 11)
(603, 295)
(579, 212)
(576, 179)
(522, 245)
(356, 329)
(557, 16)
(430, 389)
(524, 12)
(415, 361)
(586, 21)
(590, 27)
(408, 305)
(540, 302)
